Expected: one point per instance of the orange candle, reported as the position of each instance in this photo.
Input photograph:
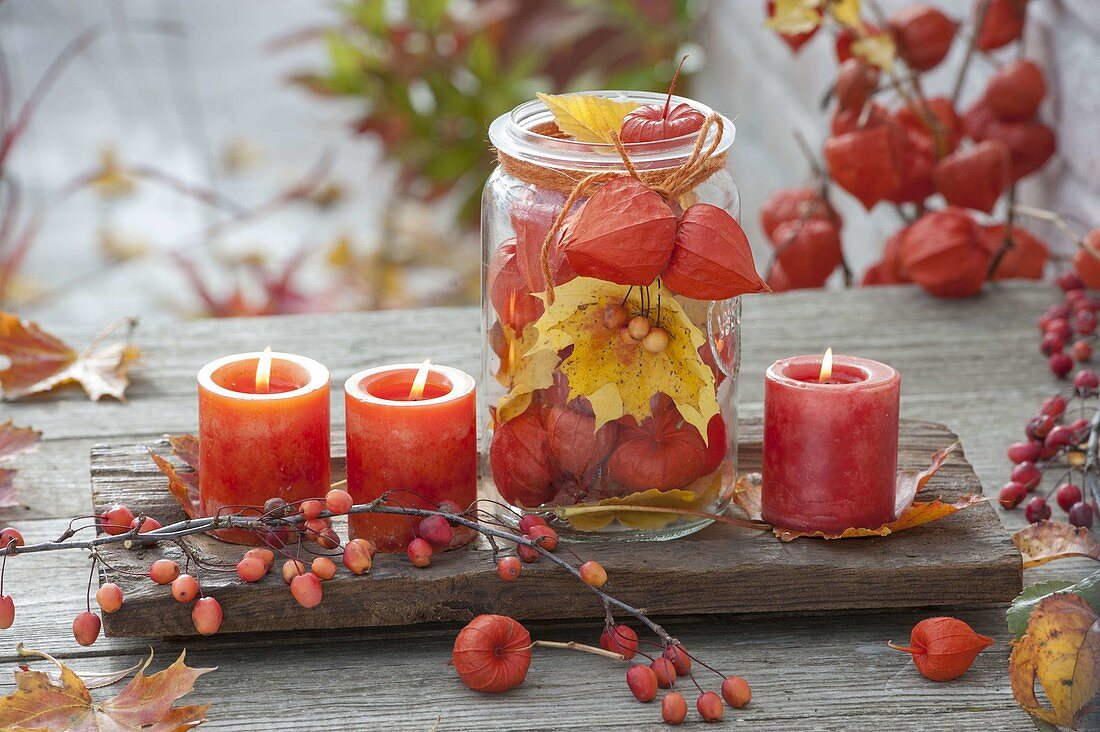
(263, 432)
(416, 441)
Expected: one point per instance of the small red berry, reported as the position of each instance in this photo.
(147, 523)
(680, 659)
(642, 682)
(1060, 327)
(291, 569)
(1082, 351)
(710, 706)
(1084, 322)
(1059, 437)
(1086, 381)
(264, 555)
(1028, 475)
(338, 502)
(1051, 344)
(314, 527)
(674, 709)
(116, 520)
(620, 639)
(8, 535)
(185, 588)
(1060, 365)
(530, 520)
(323, 567)
(109, 597)
(509, 568)
(311, 509)
(1069, 281)
(593, 573)
(251, 569)
(526, 553)
(1054, 406)
(359, 556)
(1012, 495)
(420, 553)
(436, 531)
(86, 628)
(306, 589)
(544, 536)
(328, 539)
(207, 616)
(1081, 514)
(164, 571)
(1067, 495)
(1038, 427)
(666, 672)
(1037, 510)
(736, 692)
(7, 612)
(276, 506)
(1023, 452)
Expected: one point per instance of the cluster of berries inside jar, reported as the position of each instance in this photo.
(613, 269)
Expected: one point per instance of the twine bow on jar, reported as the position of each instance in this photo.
(671, 183)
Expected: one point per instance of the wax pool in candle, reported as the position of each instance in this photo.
(256, 443)
(830, 448)
(425, 450)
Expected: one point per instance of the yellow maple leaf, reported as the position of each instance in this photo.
(587, 117)
(846, 12)
(620, 378)
(531, 372)
(699, 496)
(878, 50)
(795, 16)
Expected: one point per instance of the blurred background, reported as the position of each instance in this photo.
(172, 158)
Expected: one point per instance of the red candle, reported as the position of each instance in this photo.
(830, 443)
(263, 432)
(421, 446)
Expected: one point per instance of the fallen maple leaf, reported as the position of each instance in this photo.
(1061, 650)
(147, 703)
(908, 512)
(587, 117)
(620, 378)
(1049, 540)
(13, 441)
(526, 373)
(39, 361)
(182, 484)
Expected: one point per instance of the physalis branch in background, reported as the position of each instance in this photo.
(792, 17)
(147, 703)
(38, 361)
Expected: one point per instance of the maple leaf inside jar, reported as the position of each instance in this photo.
(612, 412)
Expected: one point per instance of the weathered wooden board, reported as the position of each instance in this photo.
(965, 559)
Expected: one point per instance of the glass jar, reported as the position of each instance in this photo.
(588, 424)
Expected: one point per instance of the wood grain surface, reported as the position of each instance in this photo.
(972, 365)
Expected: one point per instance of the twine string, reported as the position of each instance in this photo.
(700, 165)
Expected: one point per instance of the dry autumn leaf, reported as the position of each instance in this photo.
(909, 513)
(147, 703)
(38, 361)
(620, 378)
(846, 12)
(587, 117)
(14, 441)
(792, 17)
(1061, 650)
(531, 372)
(878, 50)
(1049, 540)
(182, 484)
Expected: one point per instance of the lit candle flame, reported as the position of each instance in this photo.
(421, 379)
(826, 366)
(263, 372)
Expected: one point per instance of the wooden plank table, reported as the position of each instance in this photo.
(972, 365)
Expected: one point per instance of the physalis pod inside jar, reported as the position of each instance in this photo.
(613, 265)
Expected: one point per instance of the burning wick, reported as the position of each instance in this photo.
(417, 390)
(826, 367)
(263, 372)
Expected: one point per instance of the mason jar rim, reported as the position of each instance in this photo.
(513, 134)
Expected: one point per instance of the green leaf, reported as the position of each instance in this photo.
(482, 58)
(1020, 610)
